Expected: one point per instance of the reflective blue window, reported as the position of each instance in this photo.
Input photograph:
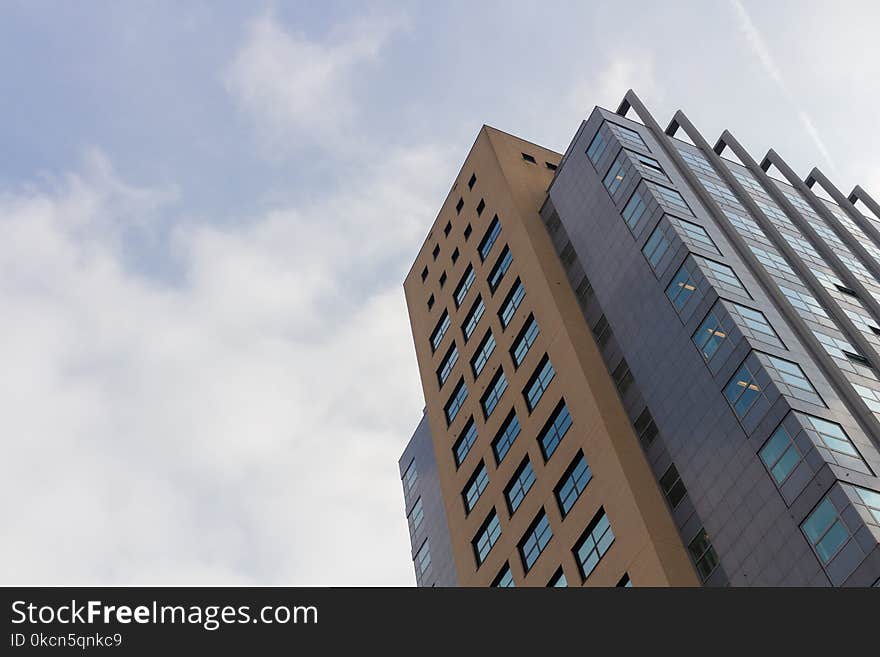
(521, 484)
(473, 318)
(597, 147)
(506, 436)
(555, 429)
(447, 364)
(486, 537)
(504, 579)
(465, 441)
(825, 530)
(616, 175)
(524, 341)
(493, 394)
(481, 357)
(439, 331)
(453, 406)
(536, 539)
(465, 285)
(573, 483)
(780, 454)
(593, 544)
(489, 238)
(634, 210)
(709, 335)
(475, 487)
(511, 303)
(500, 268)
(538, 383)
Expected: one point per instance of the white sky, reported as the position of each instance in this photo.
(208, 210)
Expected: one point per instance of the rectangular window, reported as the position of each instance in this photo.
(479, 360)
(538, 383)
(602, 331)
(616, 175)
(439, 331)
(645, 428)
(410, 476)
(656, 246)
(672, 486)
(872, 501)
(780, 455)
(629, 136)
(671, 198)
(723, 275)
(651, 164)
(742, 391)
(464, 285)
(597, 147)
(459, 206)
(825, 530)
(473, 318)
(634, 210)
(528, 158)
(593, 544)
(584, 292)
(480, 207)
(830, 434)
(465, 441)
(519, 485)
(493, 394)
(709, 335)
(475, 487)
(703, 554)
(793, 376)
(504, 579)
(526, 338)
(472, 181)
(536, 538)
(558, 580)
(511, 303)
(486, 537)
(754, 324)
(447, 364)
(506, 436)
(623, 378)
(681, 287)
(489, 238)
(423, 558)
(573, 483)
(415, 517)
(500, 268)
(696, 235)
(453, 406)
(554, 431)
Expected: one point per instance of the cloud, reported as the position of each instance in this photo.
(607, 86)
(240, 426)
(759, 48)
(296, 89)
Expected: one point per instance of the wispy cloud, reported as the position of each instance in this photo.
(298, 89)
(759, 48)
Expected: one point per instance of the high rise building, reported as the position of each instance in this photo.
(649, 362)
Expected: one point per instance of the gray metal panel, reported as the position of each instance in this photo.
(434, 528)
